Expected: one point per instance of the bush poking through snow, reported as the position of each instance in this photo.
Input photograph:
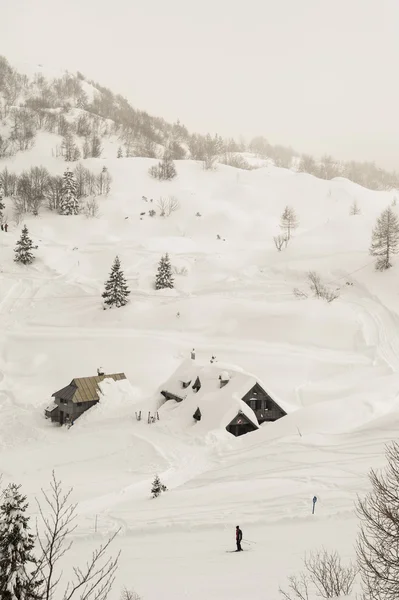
(129, 595)
(235, 160)
(165, 170)
(164, 277)
(168, 205)
(318, 288)
(91, 209)
(377, 546)
(354, 209)
(324, 575)
(385, 239)
(23, 250)
(116, 290)
(183, 271)
(289, 222)
(279, 241)
(157, 487)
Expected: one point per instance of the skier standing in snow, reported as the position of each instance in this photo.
(238, 538)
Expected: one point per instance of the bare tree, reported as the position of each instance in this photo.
(385, 239)
(57, 516)
(129, 595)
(91, 209)
(168, 205)
(319, 289)
(325, 574)
(279, 241)
(330, 577)
(378, 541)
(289, 221)
(354, 208)
(298, 587)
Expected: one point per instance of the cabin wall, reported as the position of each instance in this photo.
(69, 411)
(264, 407)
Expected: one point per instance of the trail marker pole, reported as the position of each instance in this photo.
(95, 525)
(314, 503)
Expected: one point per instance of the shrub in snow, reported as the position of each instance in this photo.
(157, 487)
(18, 567)
(2, 205)
(69, 202)
(318, 288)
(235, 160)
(165, 170)
(288, 222)
(23, 250)
(279, 241)
(385, 239)
(164, 278)
(116, 291)
(168, 205)
(119, 153)
(152, 212)
(324, 575)
(91, 209)
(354, 209)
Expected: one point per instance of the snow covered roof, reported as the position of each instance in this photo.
(218, 405)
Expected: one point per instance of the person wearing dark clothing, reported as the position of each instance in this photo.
(6, 227)
(238, 538)
(2, 227)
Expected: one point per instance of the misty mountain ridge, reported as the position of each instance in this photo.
(85, 116)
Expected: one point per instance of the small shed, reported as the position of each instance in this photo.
(74, 399)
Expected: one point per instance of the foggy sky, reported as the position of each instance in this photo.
(321, 75)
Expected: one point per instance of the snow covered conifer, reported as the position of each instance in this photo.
(116, 290)
(69, 202)
(289, 221)
(2, 205)
(18, 566)
(385, 239)
(157, 487)
(164, 277)
(23, 250)
(120, 153)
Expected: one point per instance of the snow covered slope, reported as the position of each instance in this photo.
(334, 366)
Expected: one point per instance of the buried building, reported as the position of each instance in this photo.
(223, 396)
(73, 400)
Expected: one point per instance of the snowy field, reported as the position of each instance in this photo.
(334, 366)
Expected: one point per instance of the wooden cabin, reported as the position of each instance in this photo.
(73, 400)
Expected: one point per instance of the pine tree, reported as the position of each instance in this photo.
(18, 567)
(120, 153)
(23, 249)
(69, 202)
(116, 290)
(157, 487)
(2, 205)
(164, 277)
(385, 239)
(289, 221)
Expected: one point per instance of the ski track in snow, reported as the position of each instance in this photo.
(264, 481)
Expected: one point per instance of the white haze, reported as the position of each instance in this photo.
(316, 74)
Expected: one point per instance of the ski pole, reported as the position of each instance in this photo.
(249, 542)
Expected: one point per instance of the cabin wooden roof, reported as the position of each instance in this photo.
(85, 389)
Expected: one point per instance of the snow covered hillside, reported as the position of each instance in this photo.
(335, 367)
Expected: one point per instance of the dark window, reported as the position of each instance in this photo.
(253, 403)
(64, 401)
(80, 403)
